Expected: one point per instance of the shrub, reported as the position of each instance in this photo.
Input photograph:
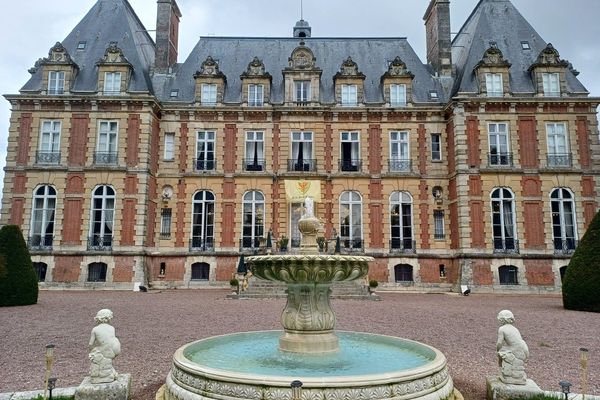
(233, 282)
(18, 280)
(373, 283)
(581, 283)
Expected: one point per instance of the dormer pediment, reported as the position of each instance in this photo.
(302, 58)
(349, 70)
(397, 69)
(57, 56)
(493, 58)
(114, 56)
(209, 69)
(549, 57)
(256, 70)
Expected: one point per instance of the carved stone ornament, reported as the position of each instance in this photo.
(493, 57)
(256, 69)
(302, 58)
(57, 55)
(398, 69)
(349, 69)
(549, 57)
(209, 68)
(113, 55)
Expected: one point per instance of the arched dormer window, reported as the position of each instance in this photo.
(397, 84)
(493, 73)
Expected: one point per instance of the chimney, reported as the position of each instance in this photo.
(439, 45)
(167, 35)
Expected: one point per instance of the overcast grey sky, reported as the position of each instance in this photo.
(30, 28)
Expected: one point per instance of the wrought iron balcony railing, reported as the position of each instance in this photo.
(406, 246)
(105, 158)
(506, 246)
(100, 242)
(565, 246)
(205, 165)
(250, 243)
(500, 159)
(350, 165)
(40, 242)
(439, 236)
(47, 157)
(560, 160)
(304, 165)
(202, 244)
(254, 164)
(399, 165)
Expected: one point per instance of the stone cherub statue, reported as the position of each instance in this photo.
(104, 347)
(512, 350)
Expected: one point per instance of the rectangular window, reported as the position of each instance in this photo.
(205, 151)
(302, 91)
(106, 151)
(551, 82)
(255, 154)
(436, 147)
(50, 139)
(112, 83)
(209, 94)
(438, 221)
(169, 147)
(558, 147)
(255, 95)
(349, 96)
(399, 152)
(493, 84)
(165, 223)
(398, 95)
(56, 82)
(499, 144)
(350, 151)
(302, 152)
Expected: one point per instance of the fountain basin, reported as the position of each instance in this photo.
(246, 366)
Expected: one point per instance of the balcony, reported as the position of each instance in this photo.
(403, 246)
(351, 245)
(47, 157)
(302, 103)
(560, 160)
(400, 165)
(105, 158)
(100, 243)
(254, 164)
(295, 165)
(506, 246)
(200, 244)
(40, 242)
(565, 246)
(205, 165)
(350, 165)
(500, 160)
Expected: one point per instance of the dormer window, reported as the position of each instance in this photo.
(493, 73)
(210, 83)
(255, 95)
(112, 83)
(349, 96)
(397, 84)
(494, 85)
(81, 45)
(397, 95)
(258, 82)
(551, 84)
(114, 71)
(302, 91)
(549, 73)
(525, 45)
(209, 94)
(174, 93)
(349, 87)
(56, 82)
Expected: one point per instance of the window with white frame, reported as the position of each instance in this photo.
(551, 84)
(494, 85)
(101, 221)
(302, 91)
(499, 144)
(49, 146)
(401, 222)
(564, 229)
(203, 221)
(56, 82)
(438, 223)
(351, 220)
(106, 151)
(398, 95)
(169, 146)
(399, 152)
(255, 95)
(41, 232)
(165, 223)
(253, 219)
(255, 151)
(436, 147)
(302, 152)
(209, 94)
(349, 95)
(205, 151)
(559, 154)
(112, 83)
(503, 221)
(350, 151)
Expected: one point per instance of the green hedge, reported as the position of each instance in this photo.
(18, 280)
(581, 284)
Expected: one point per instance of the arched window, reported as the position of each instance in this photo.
(564, 231)
(509, 275)
(42, 218)
(101, 224)
(351, 220)
(200, 271)
(40, 269)
(562, 271)
(203, 221)
(401, 219)
(253, 219)
(403, 273)
(503, 221)
(97, 272)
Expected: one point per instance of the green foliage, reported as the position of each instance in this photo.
(18, 280)
(540, 396)
(373, 283)
(283, 242)
(40, 397)
(581, 283)
(234, 282)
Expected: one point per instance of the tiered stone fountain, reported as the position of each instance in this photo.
(344, 366)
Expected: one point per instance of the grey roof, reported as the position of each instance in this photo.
(233, 55)
(107, 21)
(499, 21)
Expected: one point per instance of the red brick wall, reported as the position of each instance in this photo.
(587, 186)
(378, 270)
(175, 268)
(24, 141)
(80, 129)
(429, 270)
(376, 225)
(74, 183)
(72, 217)
(589, 211)
(475, 186)
(19, 183)
(328, 148)
(482, 274)
(473, 142)
(154, 145)
(133, 140)
(423, 149)
(527, 135)
(183, 147)
(534, 224)
(277, 204)
(328, 208)
(128, 222)
(66, 268)
(276, 145)
(424, 214)
(16, 212)
(451, 156)
(477, 224)
(532, 186)
(583, 141)
(226, 268)
(123, 271)
(151, 223)
(228, 218)
(375, 149)
(539, 272)
(130, 185)
(230, 145)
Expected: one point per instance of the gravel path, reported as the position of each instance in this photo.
(151, 326)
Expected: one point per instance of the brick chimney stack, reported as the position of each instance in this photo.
(439, 45)
(167, 35)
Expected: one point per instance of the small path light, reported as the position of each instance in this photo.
(583, 362)
(565, 387)
(51, 386)
(296, 390)
(49, 362)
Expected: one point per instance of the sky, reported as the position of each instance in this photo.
(29, 29)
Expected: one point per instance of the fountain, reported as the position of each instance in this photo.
(321, 364)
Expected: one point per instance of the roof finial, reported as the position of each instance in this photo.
(301, 9)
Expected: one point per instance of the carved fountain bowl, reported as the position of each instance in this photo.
(309, 268)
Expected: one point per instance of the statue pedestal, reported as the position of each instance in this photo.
(498, 390)
(120, 389)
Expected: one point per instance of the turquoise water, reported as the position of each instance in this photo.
(257, 353)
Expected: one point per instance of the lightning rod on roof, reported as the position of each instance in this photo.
(301, 9)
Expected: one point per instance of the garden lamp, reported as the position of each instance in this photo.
(565, 386)
(51, 386)
(49, 361)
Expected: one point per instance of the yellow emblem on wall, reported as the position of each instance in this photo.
(297, 191)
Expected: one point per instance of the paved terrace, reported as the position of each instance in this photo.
(151, 326)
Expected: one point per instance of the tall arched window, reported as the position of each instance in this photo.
(97, 272)
(509, 275)
(401, 220)
(253, 219)
(564, 230)
(351, 220)
(200, 271)
(203, 221)
(101, 224)
(403, 273)
(503, 221)
(42, 218)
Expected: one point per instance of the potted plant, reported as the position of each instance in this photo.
(283, 243)
(234, 283)
(373, 285)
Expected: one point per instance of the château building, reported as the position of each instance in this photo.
(480, 166)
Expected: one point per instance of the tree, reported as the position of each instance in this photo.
(581, 284)
(18, 280)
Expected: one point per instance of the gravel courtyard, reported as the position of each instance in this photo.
(151, 326)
